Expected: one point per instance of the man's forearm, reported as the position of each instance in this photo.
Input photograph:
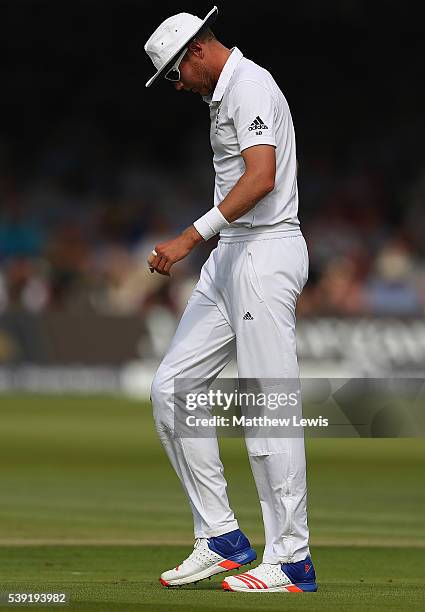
(192, 236)
(251, 187)
(249, 190)
(245, 194)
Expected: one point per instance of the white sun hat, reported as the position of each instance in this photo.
(172, 37)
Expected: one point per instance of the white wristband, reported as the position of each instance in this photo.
(211, 223)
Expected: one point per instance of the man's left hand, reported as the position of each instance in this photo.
(168, 253)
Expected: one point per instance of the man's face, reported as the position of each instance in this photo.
(194, 76)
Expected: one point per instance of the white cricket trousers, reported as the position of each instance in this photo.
(262, 275)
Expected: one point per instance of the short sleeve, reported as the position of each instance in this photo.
(252, 108)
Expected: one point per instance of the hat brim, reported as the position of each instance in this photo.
(209, 20)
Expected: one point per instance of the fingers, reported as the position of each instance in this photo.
(151, 260)
(160, 267)
(158, 263)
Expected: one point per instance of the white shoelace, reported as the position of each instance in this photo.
(195, 552)
(201, 554)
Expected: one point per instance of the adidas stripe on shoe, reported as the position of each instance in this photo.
(211, 556)
(297, 577)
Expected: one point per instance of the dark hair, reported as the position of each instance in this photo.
(205, 35)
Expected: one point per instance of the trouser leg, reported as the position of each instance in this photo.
(202, 346)
(281, 485)
(266, 349)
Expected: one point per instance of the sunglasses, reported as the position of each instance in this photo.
(174, 73)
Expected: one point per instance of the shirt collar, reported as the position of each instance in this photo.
(225, 76)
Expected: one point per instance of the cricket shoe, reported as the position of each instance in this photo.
(297, 577)
(211, 556)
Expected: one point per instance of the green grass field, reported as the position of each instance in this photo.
(90, 506)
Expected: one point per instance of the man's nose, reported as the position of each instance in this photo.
(178, 85)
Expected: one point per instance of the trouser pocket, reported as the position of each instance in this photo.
(253, 276)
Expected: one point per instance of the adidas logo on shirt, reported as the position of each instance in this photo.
(248, 317)
(257, 124)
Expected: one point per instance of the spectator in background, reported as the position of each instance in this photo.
(392, 287)
(20, 234)
(339, 290)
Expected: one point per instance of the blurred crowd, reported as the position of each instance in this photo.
(95, 170)
(75, 230)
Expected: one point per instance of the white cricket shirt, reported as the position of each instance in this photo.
(247, 108)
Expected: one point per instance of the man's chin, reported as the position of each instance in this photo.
(201, 92)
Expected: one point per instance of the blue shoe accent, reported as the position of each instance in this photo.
(234, 546)
(243, 556)
(301, 574)
(307, 587)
